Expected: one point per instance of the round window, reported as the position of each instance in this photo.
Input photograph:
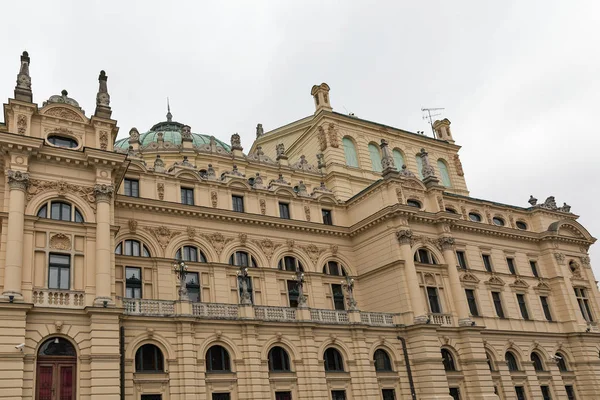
(475, 217)
(62, 141)
(521, 225)
(498, 221)
(413, 203)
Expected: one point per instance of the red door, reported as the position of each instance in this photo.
(45, 382)
(55, 380)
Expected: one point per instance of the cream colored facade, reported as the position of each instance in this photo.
(395, 232)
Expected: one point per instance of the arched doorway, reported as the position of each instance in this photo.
(56, 367)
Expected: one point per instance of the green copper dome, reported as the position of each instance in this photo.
(171, 131)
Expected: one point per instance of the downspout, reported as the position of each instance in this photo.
(413, 394)
(122, 360)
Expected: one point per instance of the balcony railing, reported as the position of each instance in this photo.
(58, 298)
(215, 310)
(374, 318)
(275, 313)
(329, 316)
(441, 319)
(149, 307)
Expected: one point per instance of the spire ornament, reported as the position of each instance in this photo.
(169, 115)
(103, 98)
(23, 88)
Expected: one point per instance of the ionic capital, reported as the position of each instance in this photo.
(404, 236)
(18, 180)
(103, 192)
(446, 242)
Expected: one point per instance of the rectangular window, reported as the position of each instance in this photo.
(133, 283)
(511, 265)
(434, 301)
(338, 297)
(522, 306)
(192, 284)
(388, 394)
(570, 392)
(283, 395)
(487, 262)
(498, 304)
(546, 308)
(327, 219)
(462, 259)
(472, 302)
(534, 269)
(187, 196)
(546, 392)
(238, 203)
(338, 395)
(455, 393)
(151, 397)
(520, 391)
(293, 293)
(584, 304)
(284, 210)
(221, 396)
(59, 272)
(132, 187)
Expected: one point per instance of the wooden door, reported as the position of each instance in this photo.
(55, 380)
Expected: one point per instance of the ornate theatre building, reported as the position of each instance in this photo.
(336, 258)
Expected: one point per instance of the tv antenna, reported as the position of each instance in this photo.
(429, 116)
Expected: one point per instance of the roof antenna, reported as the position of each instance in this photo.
(169, 115)
(429, 116)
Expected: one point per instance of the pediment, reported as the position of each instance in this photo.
(469, 278)
(495, 281)
(519, 283)
(63, 112)
(543, 286)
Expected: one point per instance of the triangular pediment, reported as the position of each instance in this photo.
(495, 281)
(543, 286)
(469, 277)
(519, 283)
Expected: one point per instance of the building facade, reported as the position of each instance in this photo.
(337, 258)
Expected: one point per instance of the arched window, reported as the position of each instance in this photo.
(334, 268)
(242, 259)
(424, 256)
(350, 152)
(489, 361)
(413, 203)
(443, 169)
(279, 361)
(448, 360)
(62, 141)
(511, 361)
(561, 362)
(57, 347)
(333, 360)
(149, 358)
(190, 253)
(419, 166)
(398, 159)
(289, 263)
(382, 361)
(217, 359)
(375, 157)
(61, 211)
(132, 247)
(537, 362)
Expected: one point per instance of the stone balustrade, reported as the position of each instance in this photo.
(58, 298)
(377, 318)
(149, 307)
(275, 313)
(215, 310)
(329, 316)
(441, 319)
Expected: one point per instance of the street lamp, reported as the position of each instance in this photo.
(180, 268)
(301, 297)
(243, 279)
(348, 284)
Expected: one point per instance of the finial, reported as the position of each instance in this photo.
(169, 115)
(23, 87)
(103, 98)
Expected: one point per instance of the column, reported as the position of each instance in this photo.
(103, 249)
(17, 183)
(460, 302)
(412, 281)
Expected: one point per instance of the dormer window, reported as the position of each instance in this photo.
(498, 221)
(62, 141)
(475, 217)
(413, 203)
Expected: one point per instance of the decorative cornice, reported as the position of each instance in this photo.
(18, 180)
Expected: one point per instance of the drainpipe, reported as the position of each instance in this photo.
(122, 360)
(413, 394)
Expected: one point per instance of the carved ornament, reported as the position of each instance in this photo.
(313, 252)
(446, 242)
(37, 186)
(103, 192)
(18, 180)
(218, 241)
(214, 199)
(162, 234)
(322, 138)
(64, 113)
(469, 277)
(191, 232)
(263, 206)
(268, 247)
(332, 135)
(307, 212)
(132, 225)
(560, 258)
(21, 124)
(60, 241)
(160, 188)
(103, 140)
(495, 281)
(404, 236)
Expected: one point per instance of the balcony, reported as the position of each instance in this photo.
(155, 308)
(58, 298)
(377, 319)
(215, 310)
(275, 313)
(440, 319)
(329, 316)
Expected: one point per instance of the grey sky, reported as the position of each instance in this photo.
(518, 79)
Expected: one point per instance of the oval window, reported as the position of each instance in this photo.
(451, 210)
(475, 217)
(522, 225)
(413, 203)
(498, 221)
(62, 141)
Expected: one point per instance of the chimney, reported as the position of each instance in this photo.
(102, 98)
(321, 95)
(23, 88)
(442, 130)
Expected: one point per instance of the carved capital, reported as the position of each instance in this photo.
(18, 180)
(103, 192)
(404, 236)
(560, 258)
(446, 242)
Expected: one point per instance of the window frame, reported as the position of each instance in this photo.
(283, 359)
(544, 301)
(339, 266)
(187, 195)
(158, 356)
(385, 359)
(534, 268)
(498, 306)
(225, 359)
(510, 262)
(424, 252)
(327, 216)
(237, 203)
(350, 147)
(338, 298)
(46, 211)
(128, 187)
(461, 256)
(487, 262)
(234, 259)
(435, 293)
(584, 303)
(193, 287)
(475, 217)
(512, 366)
(538, 364)
(124, 244)
(53, 137)
(60, 269)
(184, 253)
(336, 358)
(284, 210)
(375, 151)
(472, 302)
(448, 360)
(131, 283)
(293, 293)
(522, 303)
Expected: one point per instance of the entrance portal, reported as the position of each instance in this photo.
(56, 367)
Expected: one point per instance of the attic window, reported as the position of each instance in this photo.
(62, 141)
(498, 221)
(522, 225)
(413, 203)
(475, 217)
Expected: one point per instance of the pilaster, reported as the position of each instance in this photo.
(104, 353)
(412, 281)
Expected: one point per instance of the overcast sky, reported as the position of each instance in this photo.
(518, 79)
